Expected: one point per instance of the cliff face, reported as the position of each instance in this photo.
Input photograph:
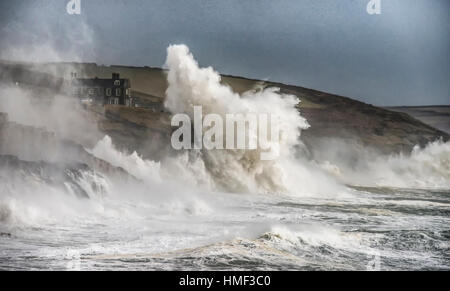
(61, 176)
(435, 116)
(135, 129)
(36, 145)
(337, 117)
(33, 157)
(330, 116)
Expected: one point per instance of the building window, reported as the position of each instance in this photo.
(108, 91)
(118, 92)
(91, 91)
(114, 101)
(117, 83)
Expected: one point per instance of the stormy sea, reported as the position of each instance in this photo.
(66, 204)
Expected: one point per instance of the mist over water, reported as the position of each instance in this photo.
(218, 209)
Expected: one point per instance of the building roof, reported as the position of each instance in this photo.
(97, 82)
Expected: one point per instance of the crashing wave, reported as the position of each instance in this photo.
(234, 170)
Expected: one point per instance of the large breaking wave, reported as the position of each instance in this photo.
(242, 170)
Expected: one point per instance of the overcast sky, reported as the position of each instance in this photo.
(401, 57)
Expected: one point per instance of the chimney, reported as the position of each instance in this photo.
(115, 76)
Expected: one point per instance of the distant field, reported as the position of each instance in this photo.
(435, 116)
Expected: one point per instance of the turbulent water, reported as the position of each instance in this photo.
(227, 210)
(403, 229)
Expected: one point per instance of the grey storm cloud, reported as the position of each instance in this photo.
(400, 57)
